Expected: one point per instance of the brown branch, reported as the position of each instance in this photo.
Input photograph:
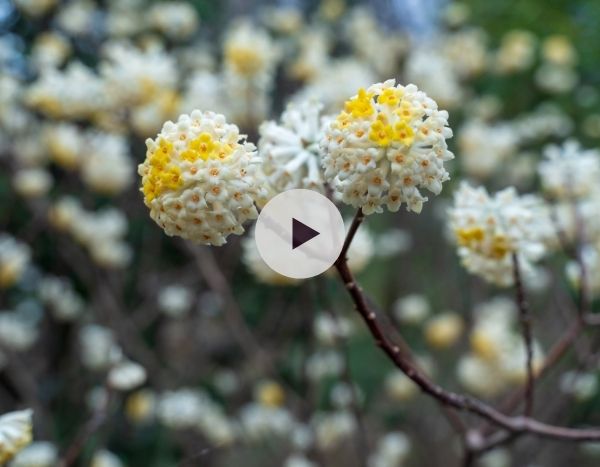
(518, 424)
(95, 422)
(525, 319)
(218, 283)
(362, 445)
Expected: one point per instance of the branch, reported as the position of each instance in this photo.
(96, 421)
(515, 425)
(525, 318)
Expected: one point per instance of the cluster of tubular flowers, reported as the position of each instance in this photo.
(15, 256)
(497, 351)
(569, 172)
(176, 20)
(290, 149)
(249, 56)
(485, 147)
(100, 232)
(103, 159)
(387, 144)
(201, 179)
(73, 93)
(489, 230)
(15, 433)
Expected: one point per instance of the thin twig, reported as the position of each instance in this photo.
(517, 424)
(525, 319)
(96, 421)
(362, 444)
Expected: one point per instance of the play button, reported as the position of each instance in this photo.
(299, 233)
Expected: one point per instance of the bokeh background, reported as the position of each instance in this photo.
(134, 348)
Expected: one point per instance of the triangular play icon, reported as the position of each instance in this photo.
(301, 233)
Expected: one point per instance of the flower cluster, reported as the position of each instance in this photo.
(569, 172)
(100, 232)
(387, 144)
(290, 150)
(490, 230)
(200, 178)
(14, 258)
(497, 353)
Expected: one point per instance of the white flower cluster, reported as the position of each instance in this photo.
(104, 458)
(250, 57)
(258, 268)
(15, 256)
(495, 361)
(290, 149)
(201, 178)
(328, 329)
(15, 433)
(99, 348)
(570, 172)
(35, 8)
(32, 182)
(134, 76)
(50, 49)
(331, 428)
(102, 158)
(391, 451)
(432, 71)
(411, 309)
(379, 48)
(101, 352)
(73, 93)
(38, 454)
(582, 386)
(176, 20)
(489, 230)
(175, 300)
(100, 232)
(485, 147)
(18, 328)
(58, 294)
(590, 256)
(126, 375)
(191, 409)
(334, 81)
(387, 144)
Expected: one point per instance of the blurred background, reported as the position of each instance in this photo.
(138, 349)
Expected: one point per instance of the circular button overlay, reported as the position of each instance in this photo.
(300, 233)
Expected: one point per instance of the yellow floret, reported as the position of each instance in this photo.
(270, 394)
(381, 132)
(469, 235)
(404, 133)
(390, 96)
(361, 105)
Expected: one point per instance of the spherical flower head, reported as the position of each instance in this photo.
(201, 178)
(290, 149)
(387, 144)
(488, 230)
(570, 172)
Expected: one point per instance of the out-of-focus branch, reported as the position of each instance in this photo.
(525, 319)
(88, 430)
(363, 444)
(217, 282)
